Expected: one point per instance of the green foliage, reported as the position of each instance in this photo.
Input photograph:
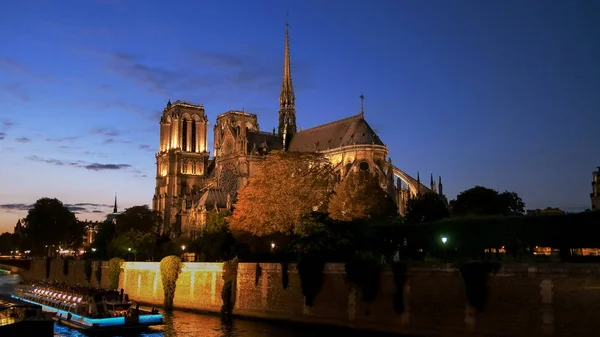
(114, 271)
(139, 219)
(257, 274)
(103, 239)
(99, 273)
(87, 267)
(482, 201)
(48, 266)
(310, 269)
(399, 270)
(170, 268)
(364, 271)
(475, 276)
(229, 286)
(50, 222)
(285, 277)
(66, 267)
(426, 208)
(333, 240)
(216, 242)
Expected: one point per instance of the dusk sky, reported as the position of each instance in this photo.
(504, 94)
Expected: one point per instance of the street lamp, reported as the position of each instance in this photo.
(182, 247)
(444, 240)
(94, 250)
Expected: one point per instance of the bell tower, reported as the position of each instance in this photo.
(182, 159)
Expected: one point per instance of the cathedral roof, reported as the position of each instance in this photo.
(212, 197)
(352, 130)
(256, 139)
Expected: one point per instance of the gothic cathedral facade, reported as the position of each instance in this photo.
(189, 183)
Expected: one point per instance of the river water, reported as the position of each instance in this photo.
(184, 324)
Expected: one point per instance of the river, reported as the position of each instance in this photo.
(185, 324)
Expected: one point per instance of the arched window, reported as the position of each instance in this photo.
(184, 135)
(194, 136)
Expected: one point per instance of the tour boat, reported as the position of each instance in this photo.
(86, 308)
(21, 318)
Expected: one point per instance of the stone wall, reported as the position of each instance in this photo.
(540, 300)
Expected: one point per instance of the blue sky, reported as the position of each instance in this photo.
(498, 93)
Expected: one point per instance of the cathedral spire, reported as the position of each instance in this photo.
(115, 208)
(287, 100)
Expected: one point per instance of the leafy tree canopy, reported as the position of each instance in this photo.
(482, 201)
(425, 208)
(360, 197)
(140, 219)
(50, 222)
(285, 187)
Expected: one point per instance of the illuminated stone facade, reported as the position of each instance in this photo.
(595, 195)
(189, 183)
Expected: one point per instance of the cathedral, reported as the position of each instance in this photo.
(189, 183)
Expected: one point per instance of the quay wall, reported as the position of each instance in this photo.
(524, 300)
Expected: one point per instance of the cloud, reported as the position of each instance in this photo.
(102, 167)
(23, 140)
(218, 59)
(106, 132)
(16, 90)
(77, 208)
(80, 164)
(6, 124)
(146, 148)
(61, 139)
(13, 66)
(2, 135)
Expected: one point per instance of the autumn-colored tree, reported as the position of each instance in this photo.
(285, 187)
(360, 197)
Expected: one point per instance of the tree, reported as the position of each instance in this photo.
(428, 207)
(360, 197)
(482, 201)
(137, 228)
(140, 219)
(285, 187)
(511, 203)
(50, 222)
(215, 242)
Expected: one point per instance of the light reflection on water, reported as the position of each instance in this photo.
(185, 324)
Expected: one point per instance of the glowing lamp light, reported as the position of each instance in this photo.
(182, 247)
(272, 245)
(128, 249)
(69, 298)
(444, 240)
(79, 299)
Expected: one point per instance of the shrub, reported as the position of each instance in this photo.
(364, 271)
(114, 271)
(475, 276)
(229, 285)
(170, 267)
(310, 268)
(285, 278)
(399, 270)
(99, 273)
(87, 267)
